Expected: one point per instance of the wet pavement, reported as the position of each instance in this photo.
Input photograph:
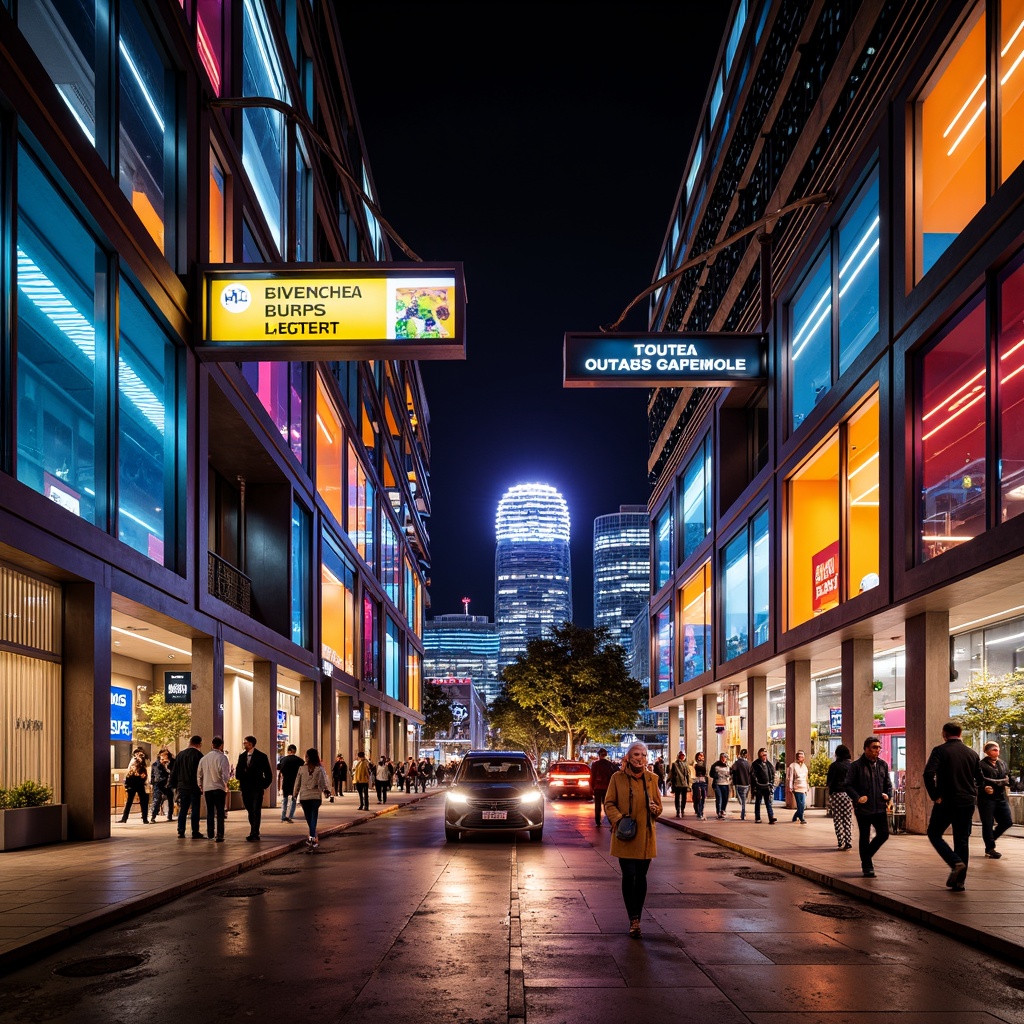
(50, 896)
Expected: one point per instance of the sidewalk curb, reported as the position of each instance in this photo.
(947, 926)
(65, 935)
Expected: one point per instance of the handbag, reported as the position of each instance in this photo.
(626, 828)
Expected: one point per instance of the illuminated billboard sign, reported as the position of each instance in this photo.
(371, 311)
(664, 359)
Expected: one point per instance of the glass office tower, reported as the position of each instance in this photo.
(532, 578)
(622, 570)
(461, 647)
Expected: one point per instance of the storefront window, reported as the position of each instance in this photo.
(696, 499)
(760, 583)
(696, 623)
(338, 609)
(146, 440)
(1011, 392)
(389, 558)
(858, 274)
(61, 297)
(810, 345)
(301, 521)
(862, 498)
(263, 144)
(280, 387)
(663, 635)
(360, 522)
(210, 40)
(663, 547)
(1011, 85)
(414, 680)
(330, 448)
(371, 642)
(735, 600)
(813, 506)
(392, 658)
(303, 209)
(218, 212)
(952, 435)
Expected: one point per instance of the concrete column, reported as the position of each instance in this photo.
(208, 688)
(264, 716)
(308, 707)
(327, 740)
(85, 710)
(690, 728)
(757, 715)
(673, 735)
(709, 738)
(857, 699)
(927, 699)
(798, 713)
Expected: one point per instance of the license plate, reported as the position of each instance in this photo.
(495, 815)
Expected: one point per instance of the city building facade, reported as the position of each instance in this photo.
(622, 570)
(840, 552)
(462, 647)
(469, 722)
(245, 537)
(532, 573)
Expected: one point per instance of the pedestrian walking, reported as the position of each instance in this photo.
(361, 780)
(135, 785)
(699, 788)
(382, 779)
(870, 790)
(287, 768)
(310, 786)
(951, 778)
(634, 792)
(212, 775)
(838, 799)
(254, 779)
(339, 775)
(659, 772)
(601, 772)
(721, 779)
(796, 780)
(412, 773)
(160, 782)
(762, 777)
(740, 771)
(680, 778)
(993, 800)
(185, 784)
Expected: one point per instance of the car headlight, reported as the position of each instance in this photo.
(531, 797)
(455, 797)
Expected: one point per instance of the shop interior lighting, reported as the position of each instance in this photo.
(146, 94)
(168, 647)
(64, 96)
(871, 232)
(864, 465)
(987, 618)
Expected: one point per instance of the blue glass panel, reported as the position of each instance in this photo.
(810, 340)
(664, 639)
(760, 581)
(735, 605)
(858, 275)
(301, 568)
(663, 547)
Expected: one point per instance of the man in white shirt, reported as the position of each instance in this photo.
(212, 775)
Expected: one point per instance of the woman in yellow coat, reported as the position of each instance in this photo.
(634, 791)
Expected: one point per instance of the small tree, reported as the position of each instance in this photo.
(995, 705)
(438, 715)
(817, 768)
(164, 723)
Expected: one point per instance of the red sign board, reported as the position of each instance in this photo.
(825, 568)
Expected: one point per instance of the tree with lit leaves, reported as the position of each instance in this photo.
(438, 712)
(164, 724)
(994, 709)
(574, 680)
(512, 727)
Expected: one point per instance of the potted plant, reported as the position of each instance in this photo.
(235, 802)
(817, 776)
(28, 818)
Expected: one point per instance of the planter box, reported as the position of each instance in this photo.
(817, 797)
(33, 826)
(235, 802)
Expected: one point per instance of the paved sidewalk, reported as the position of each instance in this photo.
(52, 895)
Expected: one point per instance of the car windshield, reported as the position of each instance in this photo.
(494, 769)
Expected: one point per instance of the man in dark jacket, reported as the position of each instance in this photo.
(600, 772)
(186, 785)
(740, 771)
(870, 789)
(993, 805)
(951, 777)
(762, 775)
(254, 776)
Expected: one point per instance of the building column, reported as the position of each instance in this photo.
(85, 710)
(264, 717)
(757, 715)
(690, 728)
(673, 734)
(798, 713)
(709, 738)
(309, 708)
(207, 688)
(927, 703)
(327, 740)
(857, 693)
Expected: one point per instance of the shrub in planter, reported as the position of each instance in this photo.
(28, 794)
(817, 768)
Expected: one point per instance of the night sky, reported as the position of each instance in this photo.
(542, 145)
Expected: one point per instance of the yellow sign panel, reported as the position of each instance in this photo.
(408, 312)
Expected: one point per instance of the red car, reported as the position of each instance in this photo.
(568, 778)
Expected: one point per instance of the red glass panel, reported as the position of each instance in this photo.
(1011, 394)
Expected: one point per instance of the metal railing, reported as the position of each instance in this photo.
(228, 584)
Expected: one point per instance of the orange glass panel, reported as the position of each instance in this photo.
(1011, 86)
(863, 497)
(329, 452)
(152, 220)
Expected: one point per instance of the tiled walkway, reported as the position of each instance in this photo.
(51, 895)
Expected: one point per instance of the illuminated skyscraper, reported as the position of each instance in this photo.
(461, 647)
(622, 570)
(532, 577)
